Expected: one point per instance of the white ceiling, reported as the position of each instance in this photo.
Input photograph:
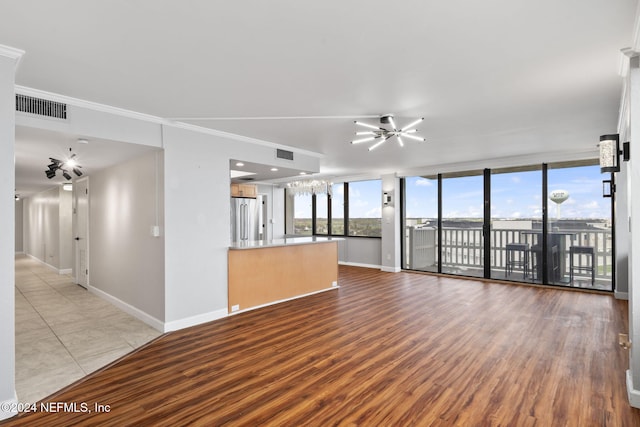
(497, 78)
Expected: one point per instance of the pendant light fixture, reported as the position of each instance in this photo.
(387, 129)
(63, 166)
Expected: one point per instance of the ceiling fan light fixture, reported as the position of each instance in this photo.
(417, 138)
(361, 140)
(392, 123)
(384, 133)
(377, 144)
(367, 125)
(412, 124)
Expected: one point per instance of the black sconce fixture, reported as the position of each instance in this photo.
(608, 188)
(610, 153)
(59, 165)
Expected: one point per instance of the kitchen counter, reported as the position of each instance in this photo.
(266, 272)
(287, 241)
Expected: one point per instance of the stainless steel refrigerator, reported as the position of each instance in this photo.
(246, 219)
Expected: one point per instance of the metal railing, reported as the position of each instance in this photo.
(463, 248)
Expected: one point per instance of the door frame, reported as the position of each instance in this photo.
(76, 257)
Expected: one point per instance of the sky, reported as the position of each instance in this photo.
(513, 195)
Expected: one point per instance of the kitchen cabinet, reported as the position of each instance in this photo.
(244, 190)
(267, 272)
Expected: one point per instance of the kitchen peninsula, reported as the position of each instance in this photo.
(264, 272)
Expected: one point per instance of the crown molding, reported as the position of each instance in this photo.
(94, 106)
(12, 53)
(236, 137)
(23, 90)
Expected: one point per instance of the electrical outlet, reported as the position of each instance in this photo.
(334, 284)
(235, 307)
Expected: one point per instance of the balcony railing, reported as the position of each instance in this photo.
(462, 250)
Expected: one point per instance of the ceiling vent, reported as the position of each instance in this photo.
(284, 154)
(41, 107)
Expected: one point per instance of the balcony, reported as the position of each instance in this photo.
(463, 253)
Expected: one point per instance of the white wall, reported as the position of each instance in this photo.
(126, 261)
(197, 219)
(8, 61)
(19, 238)
(633, 181)
(361, 251)
(47, 228)
(391, 225)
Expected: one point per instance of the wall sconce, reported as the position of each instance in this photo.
(610, 153)
(387, 198)
(608, 188)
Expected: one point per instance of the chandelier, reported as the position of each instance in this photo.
(64, 166)
(310, 187)
(381, 134)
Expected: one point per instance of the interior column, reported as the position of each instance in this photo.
(9, 58)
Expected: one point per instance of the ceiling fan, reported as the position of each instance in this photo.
(389, 130)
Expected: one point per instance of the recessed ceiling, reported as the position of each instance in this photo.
(242, 171)
(34, 147)
(493, 79)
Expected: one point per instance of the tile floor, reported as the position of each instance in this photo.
(64, 332)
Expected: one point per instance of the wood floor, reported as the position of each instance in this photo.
(383, 350)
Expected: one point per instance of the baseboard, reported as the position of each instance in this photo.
(621, 295)
(57, 270)
(391, 269)
(283, 300)
(632, 394)
(357, 264)
(129, 309)
(175, 325)
(9, 408)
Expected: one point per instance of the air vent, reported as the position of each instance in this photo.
(284, 154)
(41, 107)
(246, 179)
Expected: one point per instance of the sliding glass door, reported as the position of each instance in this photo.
(579, 236)
(540, 224)
(516, 224)
(420, 223)
(462, 221)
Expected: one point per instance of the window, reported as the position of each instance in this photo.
(365, 208)
(337, 210)
(322, 214)
(353, 209)
(538, 223)
(302, 215)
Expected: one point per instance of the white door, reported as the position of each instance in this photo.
(81, 230)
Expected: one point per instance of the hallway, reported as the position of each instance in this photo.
(64, 332)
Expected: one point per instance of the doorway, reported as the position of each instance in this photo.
(81, 231)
